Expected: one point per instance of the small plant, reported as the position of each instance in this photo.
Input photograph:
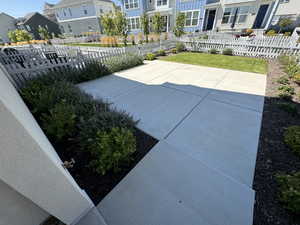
(292, 138)
(289, 108)
(271, 33)
(285, 59)
(213, 51)
(150, 56)
(111, 148)
(132, 39)
(205, 37)
(292, 69)
(141, 42)
(161, 52)
(123, 62)
(296, 78)
(287, 34)
(228, 51)
(174, 51)
(286, 92)
(289, 191)
(60, 122)
(151, 39)
(284, 80)
(180, 47)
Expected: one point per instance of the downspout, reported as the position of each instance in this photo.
(272, 14)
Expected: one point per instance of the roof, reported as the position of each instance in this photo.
(66, 3)
(4, 14)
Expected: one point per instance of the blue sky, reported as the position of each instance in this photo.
(18, 8)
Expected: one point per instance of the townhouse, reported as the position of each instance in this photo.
(77, 17)
(7, 23)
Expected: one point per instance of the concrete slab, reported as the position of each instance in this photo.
(93, 217)
(222, 136)
(159, 191)
(109, 87)
(159, 109)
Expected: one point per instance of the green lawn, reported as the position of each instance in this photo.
(240, 63)
(96, 45)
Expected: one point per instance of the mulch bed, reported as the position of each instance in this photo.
(96, 185)
(273, 155)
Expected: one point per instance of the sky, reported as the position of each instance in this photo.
(19, 8)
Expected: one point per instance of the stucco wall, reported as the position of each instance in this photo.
(30, 165)
(15, 209)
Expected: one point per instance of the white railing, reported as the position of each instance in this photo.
(265, 47)
(70, 40)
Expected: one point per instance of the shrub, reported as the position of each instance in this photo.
(91, 71)
(292, 138)
(292, 69)
(283, 80)
(228, 51)
(289, 108)
(296, 78)
(123, 62)
(161, 52)
(150, 56)
(286, 92)
(180, 47)
(289, 191)
(287, 34)
(271, 33)
(174, 51)
(213, 51)
(60, 122)
(111, 148)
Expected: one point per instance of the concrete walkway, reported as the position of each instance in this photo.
(208, 122)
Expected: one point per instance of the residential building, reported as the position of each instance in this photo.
(32, 21)
(193, 9)
(236, 15)
(287, 9)
(7, 23)
(49, 11)
(77, 17)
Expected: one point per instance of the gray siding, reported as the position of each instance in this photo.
(81, 26)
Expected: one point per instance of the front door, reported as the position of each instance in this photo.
(260, 16)
(211, 19)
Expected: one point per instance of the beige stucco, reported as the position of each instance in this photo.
(30, 165)
(15, 209)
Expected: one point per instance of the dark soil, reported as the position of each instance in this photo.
(96, 185)
(273, 155)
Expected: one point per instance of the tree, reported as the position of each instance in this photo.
(145, 25)
(108, 24)
(121, 25)
(12, 36)
(44, 34)
(157, 23)
(23, 35)
(179, 26)
(284, 22)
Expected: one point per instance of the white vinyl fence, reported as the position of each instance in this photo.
(70, 40)
(24, 62)
(265, 47)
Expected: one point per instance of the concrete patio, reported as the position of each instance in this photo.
(208, 123)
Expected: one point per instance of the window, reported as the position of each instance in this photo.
(85, 12)
(241, 12)
(70, 28)
(28, 28)
(57, 15)
(284, 1)
(101, 10)
(133, 23)
(70, 12)
(162, 2)
(131, 4)
(62, 29)
(65, 14)
(90, 28)
(191, 18)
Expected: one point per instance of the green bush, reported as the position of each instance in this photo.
(161, 52)
(271, 33)
(292, 69)
(174, 51)
(213, 51)
(91, 71)
(286, 92)
(127, 61)
(60, 122)
(296, 78)
(289, 191)
(150, 56)
(180, 47)
(283, 80)
(111, 148)
(292, 138)
(289, 108)
(228, 51)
